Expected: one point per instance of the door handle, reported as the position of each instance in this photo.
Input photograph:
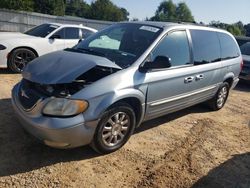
(188, 79)
(199, 77)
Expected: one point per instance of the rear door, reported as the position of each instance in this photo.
(72, 36)
(206, 73)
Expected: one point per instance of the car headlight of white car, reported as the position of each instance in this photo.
(64, 107)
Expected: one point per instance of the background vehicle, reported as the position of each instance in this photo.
(17, 49)
(121, 76)
(245, 50)
(242, 40)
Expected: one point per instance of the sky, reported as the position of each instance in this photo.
(227, 11)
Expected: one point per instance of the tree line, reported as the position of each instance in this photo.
(98, 9)
(168, 11)
(106, 10)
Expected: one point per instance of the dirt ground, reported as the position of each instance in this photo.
(190, 148)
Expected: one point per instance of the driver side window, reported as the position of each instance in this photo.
(175, 46)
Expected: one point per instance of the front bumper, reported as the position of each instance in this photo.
(3, 58)
(56, 132)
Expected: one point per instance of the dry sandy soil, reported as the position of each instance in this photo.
(190, 148)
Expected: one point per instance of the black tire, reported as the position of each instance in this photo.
(19, 58)
(100, 143)
(220, 98)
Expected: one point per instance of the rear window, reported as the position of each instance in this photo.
(68, 33)
(229, 48)
(206, 47)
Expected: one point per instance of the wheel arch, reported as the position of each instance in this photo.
(136, 105)
(26, 47)
(229, 78)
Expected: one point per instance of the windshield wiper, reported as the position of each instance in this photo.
(86, 50)
(91, 51)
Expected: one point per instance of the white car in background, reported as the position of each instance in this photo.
(17, 49)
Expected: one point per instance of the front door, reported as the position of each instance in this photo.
(169, 89)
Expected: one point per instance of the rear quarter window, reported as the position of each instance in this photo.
(206, 46)
(229, 48)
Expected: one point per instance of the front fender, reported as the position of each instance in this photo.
(98, 105)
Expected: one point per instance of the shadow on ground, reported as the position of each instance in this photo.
(234, 173)
(6, 71)
(243, 86)
(19, 152)
(200, 108)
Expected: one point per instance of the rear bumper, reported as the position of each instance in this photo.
(56, 132)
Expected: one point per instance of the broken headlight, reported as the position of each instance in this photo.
(64, 107)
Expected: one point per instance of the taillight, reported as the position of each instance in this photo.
(241, 64)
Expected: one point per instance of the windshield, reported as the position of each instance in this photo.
(41, 30)
(245, 48)
(121, 43)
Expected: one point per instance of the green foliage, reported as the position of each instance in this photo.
(168, 11)
(99, 9)
(183, 13)
(106, 10)
(25, 5)
(44, 6)
(59, 8)
(236, 29)
(77, 8)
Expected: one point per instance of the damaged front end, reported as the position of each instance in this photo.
(62, 80)
(31, 92)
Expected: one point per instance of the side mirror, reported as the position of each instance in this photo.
(55, 37)
(160, 62)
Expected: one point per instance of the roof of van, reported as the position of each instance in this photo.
(173, 24)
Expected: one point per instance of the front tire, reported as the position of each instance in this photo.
(19, 58)
(220, 98)
(114, 129)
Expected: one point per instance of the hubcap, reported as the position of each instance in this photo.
(115, 129)
(22, 58)
(222, 97)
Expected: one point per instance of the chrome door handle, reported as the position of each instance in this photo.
(188, 79)
(199, 77)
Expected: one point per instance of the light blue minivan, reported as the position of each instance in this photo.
(99, 91)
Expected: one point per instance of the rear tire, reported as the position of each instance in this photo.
(220, 98)
(19, 58)
(114, 129)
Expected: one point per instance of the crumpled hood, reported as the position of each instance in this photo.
(63, 67)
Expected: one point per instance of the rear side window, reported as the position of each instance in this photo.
(229, 48)
(86, 33)
(175, 46)
(68, 33)
(206, 46)
(72, 33)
